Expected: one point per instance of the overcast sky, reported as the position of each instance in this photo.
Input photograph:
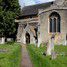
(31, 2)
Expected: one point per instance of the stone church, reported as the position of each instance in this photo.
(38, 23)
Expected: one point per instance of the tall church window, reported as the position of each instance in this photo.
(54, 22)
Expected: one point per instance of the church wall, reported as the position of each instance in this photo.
(44, 26)
(63, 25)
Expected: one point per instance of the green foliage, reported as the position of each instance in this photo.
(12, 56)
(39, 60)
(60, 48)
(9, 9)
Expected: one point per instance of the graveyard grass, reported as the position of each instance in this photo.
(10, 55)
(39, 60)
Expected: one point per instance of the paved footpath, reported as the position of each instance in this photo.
(26, 62)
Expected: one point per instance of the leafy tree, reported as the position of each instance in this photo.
(9, 10)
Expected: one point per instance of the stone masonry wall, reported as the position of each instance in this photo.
(44, 26)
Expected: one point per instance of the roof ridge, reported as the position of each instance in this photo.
(38, 4)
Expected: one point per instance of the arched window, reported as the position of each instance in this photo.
(54, 22)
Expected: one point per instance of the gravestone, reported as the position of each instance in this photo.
(48, 51)
(52, 42)
(53, 55)
(50, 46)
(65, 41)
(2, 40)
(9, 39)
(3, 50)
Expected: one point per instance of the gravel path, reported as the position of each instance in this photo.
(26, 62)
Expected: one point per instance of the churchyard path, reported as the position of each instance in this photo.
(26, 62)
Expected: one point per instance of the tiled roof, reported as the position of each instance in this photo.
(33, 10)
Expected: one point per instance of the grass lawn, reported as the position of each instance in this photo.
(39, 60)
(10, 55)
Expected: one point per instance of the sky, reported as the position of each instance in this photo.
(31, 2)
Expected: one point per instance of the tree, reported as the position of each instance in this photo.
(9, 10)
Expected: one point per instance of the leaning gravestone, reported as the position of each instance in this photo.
(50, 46)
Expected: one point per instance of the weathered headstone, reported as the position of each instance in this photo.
(52, 42)
(50, 46)
(3, 50)
(9, 39)
(66, 40)
(48, 51)
(53, 55)
(2, 40)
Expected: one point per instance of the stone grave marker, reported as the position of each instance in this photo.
(2, 40)
(53, 55)
(50, 46)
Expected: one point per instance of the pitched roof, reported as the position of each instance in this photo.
(33, 10)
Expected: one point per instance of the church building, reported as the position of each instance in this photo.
(38, 23)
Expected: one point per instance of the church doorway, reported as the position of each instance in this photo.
(27, 38)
